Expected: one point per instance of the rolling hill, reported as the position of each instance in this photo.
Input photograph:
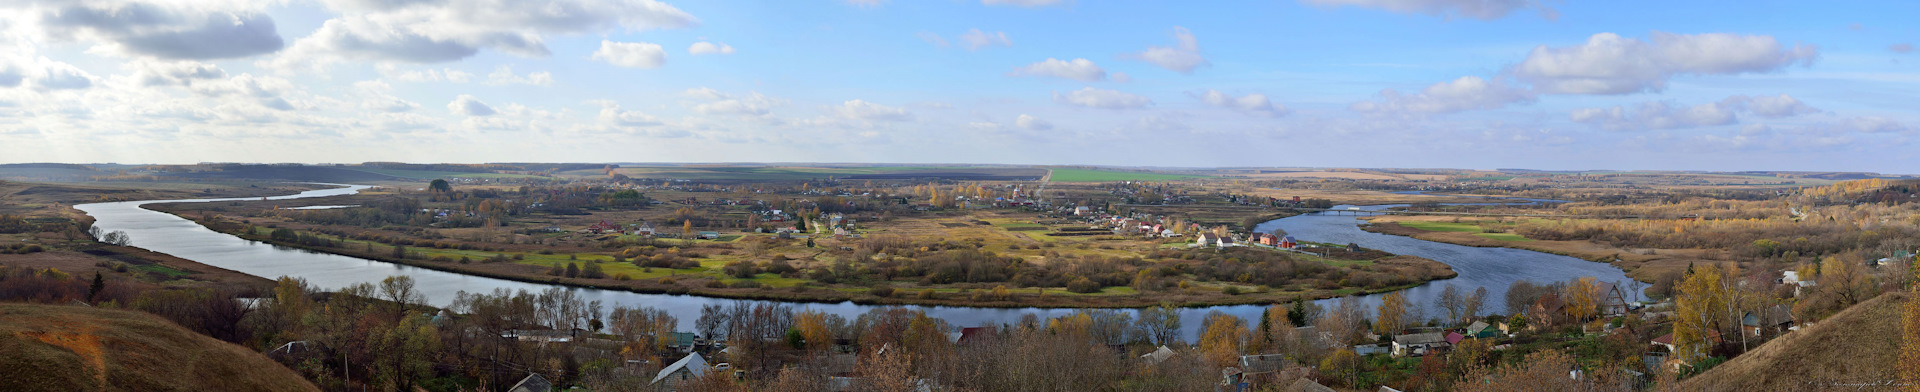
(78, 348)
(1859, 346)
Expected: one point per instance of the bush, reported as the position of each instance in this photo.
(622, 276)
(744, 284)
(882, 291)
(927, 294)
(1083, 285)
(1231, 290)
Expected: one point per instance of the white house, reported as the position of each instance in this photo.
(681, 372)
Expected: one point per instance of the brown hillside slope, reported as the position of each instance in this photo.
(78, 348)
(1860, 345)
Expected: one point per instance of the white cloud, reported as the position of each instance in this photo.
(424, 75)
(1874, 124)
(1101, 99)
(611, 114)
(631, 54)
(1032, 123)
(1183, 57)
(1079, 69)
(1465, 93)
(975, 39)
(167, 30)
(174, 73)
(934, 39)
(1902, 48)
(504, 76)
(1611, 64)
(377, 96)
(1477, 9)
(1666, 115)
(468, 105)
(1157, 123)
(1023, 3)
(1122, 77)
(868, 111)
(1771, 106)
(752, 105)
(425, 31)
(703, 47)
(1250, 103)
(1656, 115)
(23, 68)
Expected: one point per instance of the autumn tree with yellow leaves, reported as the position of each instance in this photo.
(1700, 311)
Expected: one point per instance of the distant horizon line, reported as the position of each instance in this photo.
(899, 164)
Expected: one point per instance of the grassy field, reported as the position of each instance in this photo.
(1463, 227)
(429, 174)
(796, 173)
(1084, 175)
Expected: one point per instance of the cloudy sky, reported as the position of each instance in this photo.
(1575, 84)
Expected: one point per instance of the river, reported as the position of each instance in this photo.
(1492, 268)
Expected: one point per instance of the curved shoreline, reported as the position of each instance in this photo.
(1396, 229)
(836, 297)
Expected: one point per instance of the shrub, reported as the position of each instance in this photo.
(621, 276)
(744, 284)
(882, 291)
(927, 294)
(1083, 285)
(1231, 290)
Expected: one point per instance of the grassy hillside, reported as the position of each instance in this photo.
(77, 348)
(1860, 345)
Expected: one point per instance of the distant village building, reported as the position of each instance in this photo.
(1418, 344)
(533, 383)
(1774, 319)
(681, 372)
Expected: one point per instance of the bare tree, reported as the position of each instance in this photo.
(1451, 301)
(713, 320)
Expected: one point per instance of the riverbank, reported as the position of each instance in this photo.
(1195, 294)
(1642, 265)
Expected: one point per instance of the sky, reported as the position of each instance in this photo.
(1481, 84)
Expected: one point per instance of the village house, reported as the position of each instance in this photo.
(1772, 320)
(1206, 239)
(1419, 344)
(645, 229)
(1480, 329)
(1546, 312)
(1267, 239)
(681, 372)
(1158, 355)
(1613, 302)
(533, 383)
(1289, 243)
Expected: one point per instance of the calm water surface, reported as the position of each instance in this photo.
(1493, 268)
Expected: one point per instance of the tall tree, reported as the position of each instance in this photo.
(1451, 301)
(1698, 313)
(1392, 314)
(1583, 298)
(1221, 338)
